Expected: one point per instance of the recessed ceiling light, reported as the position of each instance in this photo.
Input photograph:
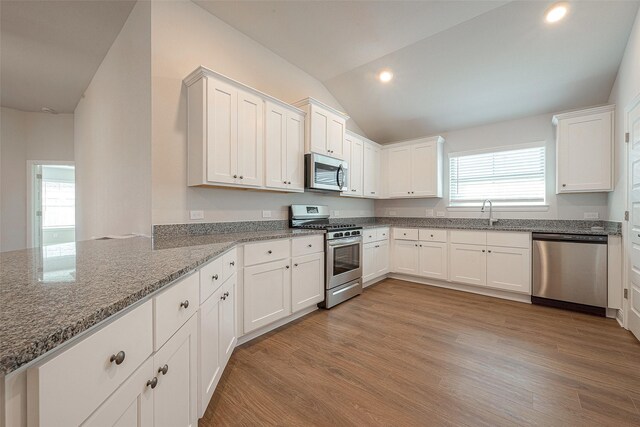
(385, 76)
(556, 12)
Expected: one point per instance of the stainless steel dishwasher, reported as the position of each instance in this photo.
(570, 271)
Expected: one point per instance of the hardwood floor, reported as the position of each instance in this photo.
(405, 354)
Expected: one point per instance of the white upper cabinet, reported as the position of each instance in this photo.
(414, 168)
(584, 144)
(284, 151)
(241, 137)
(354, 156)
(325, 128)
(372, 168)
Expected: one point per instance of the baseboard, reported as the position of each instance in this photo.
(255, 334)
(374, 281)
(620, 318)
(525, 298)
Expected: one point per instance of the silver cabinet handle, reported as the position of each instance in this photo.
(287, 266)
(118, 358)
(295, 265)
(153, 382)
(232, 263)
(184, 304)
(235, 176)
(214, 277)
(163, 370)
(241, 177)
(269, 251)
(310, 245)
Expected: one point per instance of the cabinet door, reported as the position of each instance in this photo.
(276, 147)
(222, 132)
(405, 257)
(368, 261)
(348, 140)
(130, 405)
(175, 396)
(228, 338)
(372, 170)
(468, 264)
(584, 153)
(382, 258)
(424, 158)
(509, 269)
(307, 281)
(267, 293)
(319, 130)
(209, 364)
(335, 140)
(399, 171)
(295, 151)
(250, 140)
(433, 260)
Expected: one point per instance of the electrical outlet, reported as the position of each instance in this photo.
(196, 214)
(591, 215)
(266, 214)
(440, 214)
(429, 212)
(393, 213)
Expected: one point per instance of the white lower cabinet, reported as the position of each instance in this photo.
(375, 260)
(267, 293)
(509, 269)
(468, 264)
(406, 257)
(217, 339)
(433, 260)
(307, 281)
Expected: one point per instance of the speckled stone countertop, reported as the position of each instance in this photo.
(49, 296)
(524, 225)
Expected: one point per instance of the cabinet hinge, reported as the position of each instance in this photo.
(626, 215)
(626, 293)
(626, 137)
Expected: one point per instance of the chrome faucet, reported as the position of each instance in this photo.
(492, 220)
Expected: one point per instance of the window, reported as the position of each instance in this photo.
(510, 176)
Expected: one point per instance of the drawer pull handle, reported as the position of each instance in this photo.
(432, 235)
(232, 263)
(269, 251)
(295, 265)
(118, 358)
(214, 277)
(163, 370)
(489, 251)
(235, 176)
(185, 304)
(287, 266)
(289, 182)
(310, 245)
(284, 182)
(241, 177)
(153, 382)
(223, 297)
(483, 250)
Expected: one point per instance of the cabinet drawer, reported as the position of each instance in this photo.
(307, 245)
(211, 278)
(383, 233)
(229, 263)
(369, 235)
(66, 389)
(257, 253)
(467, 237)
(428, 235)
(405, 233)
(509, 239)
(173, 307)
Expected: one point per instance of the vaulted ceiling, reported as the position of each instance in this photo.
(50, 50)
(456, 64)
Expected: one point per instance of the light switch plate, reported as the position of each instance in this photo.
(429, 212)
(196, 214)
(440, 214)
(266, 214)
(591, 215)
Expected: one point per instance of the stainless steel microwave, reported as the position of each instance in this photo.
(324, 173)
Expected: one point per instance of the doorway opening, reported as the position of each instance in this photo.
(53, 204)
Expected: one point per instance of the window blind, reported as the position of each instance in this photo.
(507, 177)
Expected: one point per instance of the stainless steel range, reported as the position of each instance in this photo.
(343, 252)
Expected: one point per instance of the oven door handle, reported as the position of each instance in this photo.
(344, 242)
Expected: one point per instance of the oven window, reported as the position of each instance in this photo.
(326, 174)
(346, 258)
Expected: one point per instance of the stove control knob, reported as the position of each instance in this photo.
(337, 235)
(347, 234)
(355, 233)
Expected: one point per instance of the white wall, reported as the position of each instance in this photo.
(184, 37)
(113, 137)
(625, 89)
(27, 136)
(513, 132)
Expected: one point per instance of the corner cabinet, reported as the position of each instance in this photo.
(415, 168)
(584, 145)
(235, 130)
(325, 128)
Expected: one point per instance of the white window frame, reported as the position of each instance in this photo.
(513, 206)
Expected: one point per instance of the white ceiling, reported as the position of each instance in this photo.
(456, 63)
(51, 49)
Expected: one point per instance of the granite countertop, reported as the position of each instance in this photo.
(51, 295)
